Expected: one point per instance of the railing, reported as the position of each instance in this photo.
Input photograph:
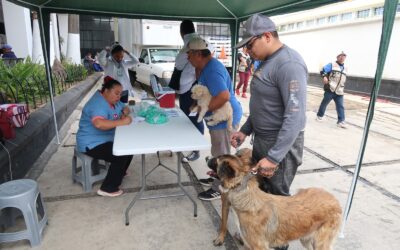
(26, 82)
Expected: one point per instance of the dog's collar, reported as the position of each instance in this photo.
(243, 184)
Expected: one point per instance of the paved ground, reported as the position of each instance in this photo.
(80, 220)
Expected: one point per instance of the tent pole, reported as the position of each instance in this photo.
(234, 39)
(389, 13)
(44, 19)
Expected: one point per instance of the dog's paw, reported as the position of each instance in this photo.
(219, 241)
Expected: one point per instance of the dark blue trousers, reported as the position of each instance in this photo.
(185, 101)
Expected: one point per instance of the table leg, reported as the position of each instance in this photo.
(179, 155)
(143, 182)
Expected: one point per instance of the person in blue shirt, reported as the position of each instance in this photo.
(7, 52)
(215, 77)
(334, 77)
(100, 116)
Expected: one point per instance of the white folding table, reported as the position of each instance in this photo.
(177, 135)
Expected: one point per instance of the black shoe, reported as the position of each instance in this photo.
(191, 157)
(206, 182)
(209, 195)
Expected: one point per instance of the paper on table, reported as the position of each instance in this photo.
(172, 112)
(138, 119)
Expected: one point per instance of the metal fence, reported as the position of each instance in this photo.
(26, 82)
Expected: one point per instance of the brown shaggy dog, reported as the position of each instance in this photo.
(312, 215)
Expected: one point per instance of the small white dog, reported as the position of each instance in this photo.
(203, 97)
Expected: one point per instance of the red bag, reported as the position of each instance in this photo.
(18, 114)
(6, 127)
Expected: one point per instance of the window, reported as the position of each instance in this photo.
(215, 30)
(95, 33)
(321, 20)
(378, 11)
(332, 19)
(346, 16)
(290, 26)
(145, 56)
(283, 28)
(163, 55)
(309, 23)
(363, 13)
(299, 25)
(398, 7)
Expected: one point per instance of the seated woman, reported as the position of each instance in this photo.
(100, 116)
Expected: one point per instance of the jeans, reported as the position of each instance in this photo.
(243, 80)
(185, 101)
(220, 145)
(279, 184)
(338, 99)
(117, 169)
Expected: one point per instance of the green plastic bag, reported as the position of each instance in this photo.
(153, 114)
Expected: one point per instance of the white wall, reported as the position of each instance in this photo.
(161, 33)
(358, 38)
(125, 27)
(63, 26)
(17, 21)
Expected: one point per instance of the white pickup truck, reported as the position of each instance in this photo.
(158, 61)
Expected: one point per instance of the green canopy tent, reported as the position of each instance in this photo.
(223, 11)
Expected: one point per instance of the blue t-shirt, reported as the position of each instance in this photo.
(216, 78)
(97, 107)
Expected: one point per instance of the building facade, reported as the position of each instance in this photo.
(352, 26)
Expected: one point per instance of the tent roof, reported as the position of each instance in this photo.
(209, 10)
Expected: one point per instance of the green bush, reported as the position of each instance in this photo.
(26, 82)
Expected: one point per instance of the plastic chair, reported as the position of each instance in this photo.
(24, 195)
(85, 174)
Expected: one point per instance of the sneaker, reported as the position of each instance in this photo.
(191, 157)
(206, 182)
(319, 118)
(244, 95)
(209, 195)
(341, 125)
(237, 92)
(107, 194)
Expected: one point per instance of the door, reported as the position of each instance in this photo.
(143, 68)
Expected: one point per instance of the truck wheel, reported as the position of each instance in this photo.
(132, 76)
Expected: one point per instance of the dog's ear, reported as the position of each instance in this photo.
(194, 88)
(225, 170)
(245, 156)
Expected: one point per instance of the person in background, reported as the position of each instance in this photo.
(96, 64)
(116, 66)
(277, 107)
(187, 79)
(216, 78)
(256, 64)
(100, 116)
(7, 52)
(245, 64)
(88, 61)
(334, 78)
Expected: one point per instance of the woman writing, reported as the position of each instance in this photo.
(100, 116)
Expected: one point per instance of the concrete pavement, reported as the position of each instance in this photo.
(87, 221)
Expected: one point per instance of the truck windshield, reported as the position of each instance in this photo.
(163, 55)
